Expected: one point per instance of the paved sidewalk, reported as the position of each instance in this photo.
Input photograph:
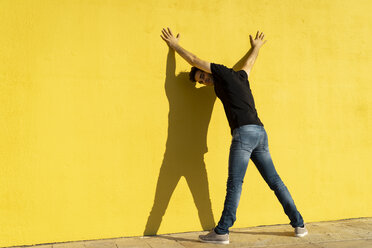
(351, 233)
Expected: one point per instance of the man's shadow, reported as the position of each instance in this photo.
(190, 110)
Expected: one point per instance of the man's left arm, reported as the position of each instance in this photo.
(192, 59)
(256, 44)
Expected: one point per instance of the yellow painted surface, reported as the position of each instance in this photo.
(93, 108)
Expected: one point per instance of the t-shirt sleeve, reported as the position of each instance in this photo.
(224, 73)
(243, 74)
(218, 70)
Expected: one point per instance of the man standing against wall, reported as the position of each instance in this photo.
(249, 138)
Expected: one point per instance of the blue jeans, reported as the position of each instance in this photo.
(251, 142)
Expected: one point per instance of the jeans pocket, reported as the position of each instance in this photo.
(249, 139)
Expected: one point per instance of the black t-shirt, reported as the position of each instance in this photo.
(232, 88)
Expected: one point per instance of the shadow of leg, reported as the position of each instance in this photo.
(167, 182)
(197, 181)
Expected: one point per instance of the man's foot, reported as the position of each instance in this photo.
(213, 237)
(300, 231)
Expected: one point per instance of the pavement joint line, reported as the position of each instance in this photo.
(285, 245)
(278, 245)
(179, 243)
(147, 243)
(328, 241)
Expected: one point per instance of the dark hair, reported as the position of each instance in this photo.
(192, 73)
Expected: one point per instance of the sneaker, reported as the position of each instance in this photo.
(213, 237)
(300, 231)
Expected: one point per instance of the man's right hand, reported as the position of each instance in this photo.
(258, 41)
(169, 38)
(186, 55)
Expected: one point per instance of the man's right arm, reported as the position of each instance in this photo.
(191, 58)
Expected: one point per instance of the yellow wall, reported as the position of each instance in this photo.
(92, 106)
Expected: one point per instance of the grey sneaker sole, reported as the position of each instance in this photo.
(302, 234)
(225, 242)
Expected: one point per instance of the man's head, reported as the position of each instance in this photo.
(197, 75)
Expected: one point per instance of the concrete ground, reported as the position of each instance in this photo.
(351, 233)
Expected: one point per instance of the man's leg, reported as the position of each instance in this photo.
(240, 151)
(262, 159)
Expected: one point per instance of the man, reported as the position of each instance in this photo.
(249, 138)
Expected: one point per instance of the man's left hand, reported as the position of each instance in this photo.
(258, 41)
